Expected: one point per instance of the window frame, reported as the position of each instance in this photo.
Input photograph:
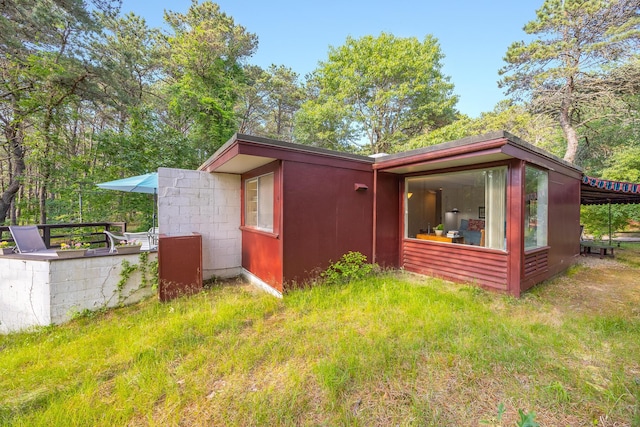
(257, 224)
(445, 209)
(541, 211)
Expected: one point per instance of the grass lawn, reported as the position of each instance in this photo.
(395, 349)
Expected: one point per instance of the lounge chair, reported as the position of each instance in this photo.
(29, 241)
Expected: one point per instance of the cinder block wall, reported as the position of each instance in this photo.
(42, 292)
(209, 204)
(24, 294)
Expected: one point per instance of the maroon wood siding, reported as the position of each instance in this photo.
(262, 251)
(515, 221)
(563, 233)
(261, 256)
(388, 220)
(324, 216)
(461, 263)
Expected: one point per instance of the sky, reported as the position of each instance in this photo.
(473, 35)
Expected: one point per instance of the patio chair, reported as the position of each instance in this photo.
(28, 240)
(144, 238)
(112, 240)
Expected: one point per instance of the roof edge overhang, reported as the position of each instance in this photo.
(489, 147)
(242, 153)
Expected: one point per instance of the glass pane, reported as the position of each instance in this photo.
(265, 202)
(251, 202)
(470, 206)
(536, 208)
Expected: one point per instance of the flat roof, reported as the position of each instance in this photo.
(469, 143)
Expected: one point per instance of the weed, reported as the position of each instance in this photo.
(352, 266)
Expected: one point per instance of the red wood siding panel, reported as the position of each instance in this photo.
(388, 220)
(563, 233)
(324, 217)
(262, 251)
(261, 256)
(460, 263)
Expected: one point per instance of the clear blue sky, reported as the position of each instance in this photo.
(473, 35)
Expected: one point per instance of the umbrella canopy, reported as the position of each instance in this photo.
(147, 183)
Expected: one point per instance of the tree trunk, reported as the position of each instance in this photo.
(570, 134)
(14, 135)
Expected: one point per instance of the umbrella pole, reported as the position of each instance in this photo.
(155, 202)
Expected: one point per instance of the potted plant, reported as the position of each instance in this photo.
(6, 248)
(129, 247)
(439, 229)
(72, 249)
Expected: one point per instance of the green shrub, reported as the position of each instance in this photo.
(352, 266)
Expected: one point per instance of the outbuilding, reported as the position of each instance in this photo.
(509, 210)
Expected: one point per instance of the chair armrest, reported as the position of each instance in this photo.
(112, 238)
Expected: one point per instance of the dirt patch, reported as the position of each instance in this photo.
(608, 286)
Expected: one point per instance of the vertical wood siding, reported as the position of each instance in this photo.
(461, 263)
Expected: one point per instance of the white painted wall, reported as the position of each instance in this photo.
(40, 292)
(209, 204)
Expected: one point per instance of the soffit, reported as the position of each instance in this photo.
(242, 163)
(445, 163)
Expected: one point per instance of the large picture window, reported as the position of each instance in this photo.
(258, 203)
(470, 205)
(536, 207)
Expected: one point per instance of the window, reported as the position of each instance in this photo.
(258, 202)
(470, 205)
(535, 208)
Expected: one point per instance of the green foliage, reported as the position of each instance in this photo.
(536, 129)
(352, 266)
(269, 102)
(567, 70)
(527, 419)
(399, 95)
(596, 218)
(148, 275)
(203, 64)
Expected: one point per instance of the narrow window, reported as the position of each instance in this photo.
(259, 202)
(535, 208)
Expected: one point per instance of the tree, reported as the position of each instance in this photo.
(566, 71)
(46, 62)
(205, 75)
(269, 102)
(387, 89)
(537, 129)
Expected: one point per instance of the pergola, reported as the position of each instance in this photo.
(596, 191)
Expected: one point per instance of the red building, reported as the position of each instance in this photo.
(510, 211)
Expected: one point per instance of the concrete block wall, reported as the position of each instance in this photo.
(40, 292)
(24, 294)
(209, 204)
(91, 283)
